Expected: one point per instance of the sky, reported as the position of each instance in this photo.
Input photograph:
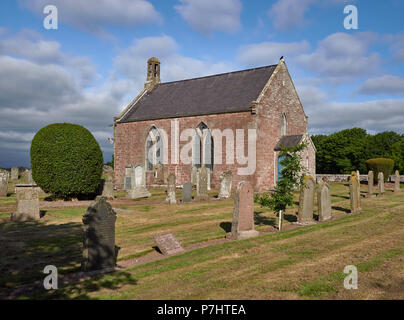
(88, 69)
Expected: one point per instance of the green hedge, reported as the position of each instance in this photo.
(66, 160)
(377, 165)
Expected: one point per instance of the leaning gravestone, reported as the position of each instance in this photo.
(168, 244)
(324, 201)
(187, 192)
(380, 178)
(242, 226)
(139, 183)
(99, 250)
(306, 201)
(202, 185)
(27, 203)
(108, 188)
(226, 179)
(354, 193)
(397, 181)
(14, 173)
(370, 183)
(171, 189)
(3, 184)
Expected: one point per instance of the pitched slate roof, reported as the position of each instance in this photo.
(221, 93)
(288, 141)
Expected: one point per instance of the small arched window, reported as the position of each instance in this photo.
(154, 148)
(203, 149)
(283, 125)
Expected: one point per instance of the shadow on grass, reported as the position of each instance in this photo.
(339, 196)
(226, 226)
(341, 209)
(259, 219)
(290, 217)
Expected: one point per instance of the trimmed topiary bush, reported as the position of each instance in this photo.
(377, 165)
(66, 160)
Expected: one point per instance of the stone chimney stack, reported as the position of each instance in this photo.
(153, 73)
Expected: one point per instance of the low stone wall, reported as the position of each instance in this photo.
(345, 177)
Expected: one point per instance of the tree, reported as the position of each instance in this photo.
(292, 176)
(66, 160)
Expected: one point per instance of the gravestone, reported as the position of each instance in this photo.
(354, 193)
(187, 192)
(358, 175)
(108, 188)
(380, 178)
(99, 250)
(127, 182)
(194, 174)
(158, 173)
(324, 201)
(370, 184)
(27, 203)
(171, 189)
(202, 185)
(242, 226)
(14, 173)
(3, 184)
(397, 181)
(168, 244)
(306, 201)
(208, 175)
(139, 183)
(226, 179)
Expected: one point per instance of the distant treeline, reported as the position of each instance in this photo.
(347, 150)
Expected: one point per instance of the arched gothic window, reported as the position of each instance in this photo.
(203, 149)
(154, 148)
(283, 125)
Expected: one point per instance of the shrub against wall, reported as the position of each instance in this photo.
(66, 160)
(377, 165)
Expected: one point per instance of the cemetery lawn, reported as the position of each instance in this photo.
(298, 263)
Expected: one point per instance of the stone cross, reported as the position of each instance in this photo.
(324, 201)
(138, 181)
(354, 193)
(370, 183)
(202, 185)
(171, 187)
(397, 181)
(27, 203)
(187, 192)
(108, 188)
(226, 179)
(3, 184)
(242, 226)
(380, 178)
(99, 250)
(306, 201)
(14, 173)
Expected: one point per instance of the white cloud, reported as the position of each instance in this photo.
(342, 56)
(266, 53)
(95, 15)
(386, 84)
(206, 16)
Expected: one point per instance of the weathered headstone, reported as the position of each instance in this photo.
(187, 192)
(306, 201)
(202, 185)
(108, 188)
(99, 250)
(324, 201)
(226, 179)
(194, 174)
(354, 193)
(14, 173)
(27, 203)
(171, 187)
(139, 183)
(168, 244)
(127, 182)
(242, 226)
(158, 173)
(370, 183)
(3, 184)
(397, 181)
(380, 178)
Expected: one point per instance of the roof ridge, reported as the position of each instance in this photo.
(218, 74)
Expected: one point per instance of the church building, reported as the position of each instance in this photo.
(236, 121)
